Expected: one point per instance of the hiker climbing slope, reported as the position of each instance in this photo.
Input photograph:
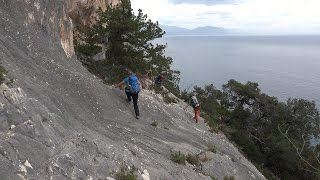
(196, 107)
(133, 86)
(125, 82)
(159, 80)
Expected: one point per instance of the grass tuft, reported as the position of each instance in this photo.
(154, 123)
(2, 73)
(229, 178)
(126, 174)
(178, 157)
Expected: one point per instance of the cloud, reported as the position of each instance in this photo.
(279, 16)
(207, 2)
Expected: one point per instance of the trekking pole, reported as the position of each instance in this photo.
(185, 107)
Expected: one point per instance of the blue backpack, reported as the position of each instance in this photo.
(134, 84)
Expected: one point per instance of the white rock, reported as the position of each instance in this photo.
(12, 126)
(23, 168)
(27, 164)
(110, 178)
(145, 175)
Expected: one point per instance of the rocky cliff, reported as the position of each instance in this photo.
(57, 121)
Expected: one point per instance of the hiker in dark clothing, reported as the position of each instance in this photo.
(132, 89)
(159, 80)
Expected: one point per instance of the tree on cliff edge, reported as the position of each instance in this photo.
(128, 40)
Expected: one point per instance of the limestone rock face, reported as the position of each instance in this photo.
(58, 121)
(83, 12)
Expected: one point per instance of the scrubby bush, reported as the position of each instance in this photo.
(213, 178)
(212, 148)
(229, 178)
(2, 73)
(126, 174)
(154, 123)
(181, 158)
(178, 157)
(192, 159)
(167, 99)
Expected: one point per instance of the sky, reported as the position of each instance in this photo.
(255, 16)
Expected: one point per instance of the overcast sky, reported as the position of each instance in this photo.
(260, 16)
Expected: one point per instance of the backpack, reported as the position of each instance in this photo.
(194, 102)
(134, 84)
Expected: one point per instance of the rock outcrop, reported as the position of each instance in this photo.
(83, 12)
(58, 121)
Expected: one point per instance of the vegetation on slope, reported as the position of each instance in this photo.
(275, 136)
(128, 41)
(2, 74)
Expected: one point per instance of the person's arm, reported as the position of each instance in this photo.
(119, 84)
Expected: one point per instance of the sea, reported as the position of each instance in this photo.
(283, 66)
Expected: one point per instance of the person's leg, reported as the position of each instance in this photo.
(197, 116)
(196, 113)
(135, 104)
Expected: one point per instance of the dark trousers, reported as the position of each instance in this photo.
(135, 100)
(135, 103)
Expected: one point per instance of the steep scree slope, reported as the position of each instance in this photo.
(57, 121)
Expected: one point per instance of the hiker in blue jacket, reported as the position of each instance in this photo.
(125, 82)
(132, 89)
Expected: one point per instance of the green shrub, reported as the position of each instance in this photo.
(193, 160)
(167, 99)
(86, 49)
(213, 178)
(229, 178)
(154, 123)
(165, 94)
(126, 174)
(211, 122)
(212, 148)
(178, 157)
(157, 89)
(2, 72)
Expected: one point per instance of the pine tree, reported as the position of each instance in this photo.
(128, 38)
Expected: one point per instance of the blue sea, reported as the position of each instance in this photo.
(283, 66)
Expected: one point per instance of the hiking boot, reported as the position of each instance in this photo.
(137, 117)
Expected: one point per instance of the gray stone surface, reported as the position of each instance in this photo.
(57, 121)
